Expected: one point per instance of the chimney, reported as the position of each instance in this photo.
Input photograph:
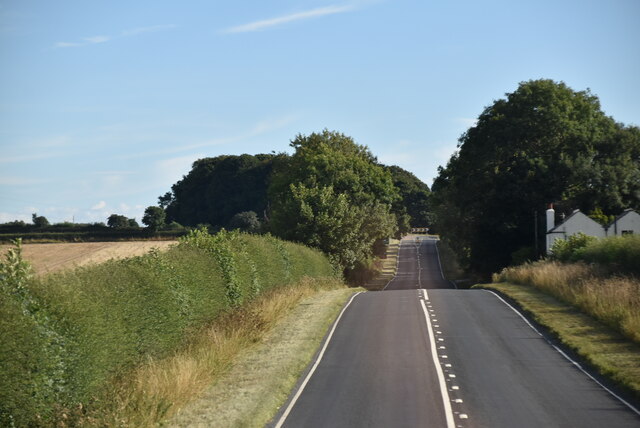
(551, 218)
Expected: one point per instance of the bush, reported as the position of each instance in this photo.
(618, 253)
(566, 249)
(67, 336)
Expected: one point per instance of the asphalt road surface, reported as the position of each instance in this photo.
(423, 354)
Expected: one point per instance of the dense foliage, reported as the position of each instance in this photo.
(414, 197)
(618, 254)
(218, 188)
(66, 336)
(333, 195)
(544, 143)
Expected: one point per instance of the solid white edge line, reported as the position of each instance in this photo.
(315, 365)
(440, 265)
(561, 352)
(434, 353)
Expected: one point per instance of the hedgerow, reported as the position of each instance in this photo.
(67, 335)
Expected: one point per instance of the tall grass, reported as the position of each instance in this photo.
(66, 337)
(159, 387)
(614, 300)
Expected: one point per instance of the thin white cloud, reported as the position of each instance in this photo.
(93, 40)
(274, 22)
(151, 29)
(260, 128)
(100, 205)
(97, 39)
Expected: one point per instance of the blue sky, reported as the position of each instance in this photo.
(105, 104)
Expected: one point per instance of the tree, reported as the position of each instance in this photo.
(414, 197)
(332, 195)
(154, 217)
(246, 221)
(218, 188)
(132, 223)
(39, 221)
(543, 143)
(117, 221)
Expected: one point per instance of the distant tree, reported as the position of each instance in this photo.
(165, 200)
(414, 196)
(39, 221)
(132, 223)
(117, 221)
(543, 143)
(246, 221)
(154, 218)
(218, 188)
(16, 223)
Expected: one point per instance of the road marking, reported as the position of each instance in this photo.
(441, 271)
(575, 363)
(315, 365)
(441, 380)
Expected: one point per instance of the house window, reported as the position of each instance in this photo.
(627, 232)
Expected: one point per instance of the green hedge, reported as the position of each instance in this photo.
(620, 254)
(65, 336)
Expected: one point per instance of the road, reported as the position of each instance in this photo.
(423, 354)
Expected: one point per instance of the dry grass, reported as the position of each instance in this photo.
(385, 267)
(54, 257)
(158, 388)
(614, 301)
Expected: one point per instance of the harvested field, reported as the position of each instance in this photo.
(48, 258)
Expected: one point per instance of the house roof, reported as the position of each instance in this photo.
(563, 221)
(624, 213)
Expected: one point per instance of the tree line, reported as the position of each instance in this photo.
(331, 194)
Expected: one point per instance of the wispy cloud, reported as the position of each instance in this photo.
(93, 40)
(100, 205)
(260, 128)
(285, 19)
(151, 29)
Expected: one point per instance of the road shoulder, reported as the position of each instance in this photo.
(614, 359)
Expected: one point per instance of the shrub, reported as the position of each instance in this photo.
(619, 253)
(565, 249)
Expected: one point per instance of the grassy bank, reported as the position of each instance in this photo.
(612, 300)
(154, 391)
(68, 338)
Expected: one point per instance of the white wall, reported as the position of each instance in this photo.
(577, 222)
(630, 221)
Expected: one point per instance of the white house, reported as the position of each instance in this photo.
(626, 223)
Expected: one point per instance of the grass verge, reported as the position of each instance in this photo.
(385, 267)
(604, 349)
(260, 379)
